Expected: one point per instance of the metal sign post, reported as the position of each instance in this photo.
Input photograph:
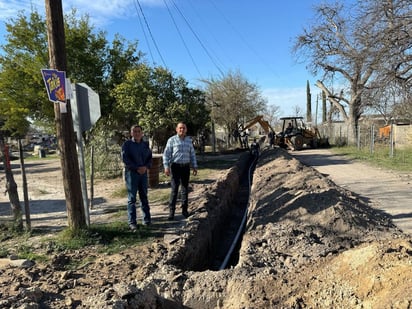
(85, 111)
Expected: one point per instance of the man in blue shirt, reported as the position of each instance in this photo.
(137, 158)
(178, 156)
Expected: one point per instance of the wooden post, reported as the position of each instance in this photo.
(64, 122)
(25, 191)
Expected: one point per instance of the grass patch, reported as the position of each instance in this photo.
(159, 195)
(120, 192)
(25, 251)
(218, 164)
(109, 237)
(35, 157)
(16, 243)
(380, 157)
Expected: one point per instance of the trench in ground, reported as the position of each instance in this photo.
(225, 253)
(224, 232)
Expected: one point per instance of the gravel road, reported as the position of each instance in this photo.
(386, 190)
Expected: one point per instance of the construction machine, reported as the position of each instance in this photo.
(242, 131)
(258, 119)
(295, 135)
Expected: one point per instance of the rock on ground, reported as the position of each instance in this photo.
(307, 244)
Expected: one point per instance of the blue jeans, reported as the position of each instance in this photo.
(137, 183)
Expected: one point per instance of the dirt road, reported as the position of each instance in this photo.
(386, 190)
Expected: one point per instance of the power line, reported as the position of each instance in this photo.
(243, 39)
(144, 32)
(198, 39)
(181, 37)
(151, 35)
(207, 28)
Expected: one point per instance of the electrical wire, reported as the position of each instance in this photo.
(244, 40)
(151, 35)
(183, 40)
(207, 27)
(197, 38)
(144, 31)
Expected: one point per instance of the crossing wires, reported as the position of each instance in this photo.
(145, 25)
(182, 38)
(197, 38)
(150, 33)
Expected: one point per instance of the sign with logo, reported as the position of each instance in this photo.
(55, 82)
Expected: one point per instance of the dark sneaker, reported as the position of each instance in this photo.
(133, 227)
(147, 223)
(185, 213)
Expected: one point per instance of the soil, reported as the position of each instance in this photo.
(308, 243)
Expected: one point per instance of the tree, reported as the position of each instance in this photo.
(272, 114)
(157, 100)
(357, 47)
(391, 27)
(233, 100)
(308, 103)
(90, 59)
(11, 186)
(24, 54)
(339, 46)
(297, 111)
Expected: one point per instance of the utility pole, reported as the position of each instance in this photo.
(63, 119)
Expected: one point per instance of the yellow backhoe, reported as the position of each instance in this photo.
(295, 135)
(263, 123)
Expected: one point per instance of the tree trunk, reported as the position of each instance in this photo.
(11, 186)
(324, 109)
(353, 121)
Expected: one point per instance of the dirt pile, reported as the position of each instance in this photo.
(308, 244)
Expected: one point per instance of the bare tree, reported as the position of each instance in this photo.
(233, 100)
(297, 111)
(338, 46)
(391, 28)
(272, 113)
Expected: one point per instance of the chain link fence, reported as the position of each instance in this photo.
(390, 141)
(104, 160)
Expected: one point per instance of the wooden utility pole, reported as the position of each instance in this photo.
(64, 122)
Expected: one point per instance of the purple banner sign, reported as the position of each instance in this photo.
(55, 82)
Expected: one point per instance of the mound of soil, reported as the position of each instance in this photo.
(307, 244)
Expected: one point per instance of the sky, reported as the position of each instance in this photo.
(204, 39)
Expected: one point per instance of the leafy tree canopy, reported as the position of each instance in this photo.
(90, 59)
(157, 100)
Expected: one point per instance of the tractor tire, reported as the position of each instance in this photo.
(297, 142)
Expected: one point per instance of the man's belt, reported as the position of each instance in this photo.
(181, 164)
